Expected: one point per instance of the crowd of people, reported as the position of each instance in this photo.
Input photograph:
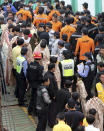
(58, 55)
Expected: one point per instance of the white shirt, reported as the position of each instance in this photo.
(91, 128)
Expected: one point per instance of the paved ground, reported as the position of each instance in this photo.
(16, 118)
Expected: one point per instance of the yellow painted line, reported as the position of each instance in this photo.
(30, 117)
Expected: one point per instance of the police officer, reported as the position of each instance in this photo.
(43, 101)
(21, 68)
(34, 76)
(88, 73)
(66, 68)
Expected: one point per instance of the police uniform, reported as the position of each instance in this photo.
(87, 76)
(21, 78)
(67, 70)
(34, 76)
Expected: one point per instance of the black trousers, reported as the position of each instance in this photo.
(32, 103)
(21, 88)
(42, 119)
(16, 92)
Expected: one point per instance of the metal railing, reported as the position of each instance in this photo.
(6, 117)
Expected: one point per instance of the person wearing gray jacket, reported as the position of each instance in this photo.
(43, 101)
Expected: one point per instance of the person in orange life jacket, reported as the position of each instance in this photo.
(67, 69)
(88, 73)
(21, 75)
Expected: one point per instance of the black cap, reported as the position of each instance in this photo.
(41, 25)
(88, 54)
(49, 25)
(61, 43)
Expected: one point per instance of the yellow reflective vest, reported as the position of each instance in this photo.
(68, 67)
(19, 63)
(100, 91)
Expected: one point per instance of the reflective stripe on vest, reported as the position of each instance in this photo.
(67, 67)
(19, 63)
(100, 91)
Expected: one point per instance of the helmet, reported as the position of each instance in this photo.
(37, 55)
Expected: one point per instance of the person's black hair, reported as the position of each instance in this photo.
(85, 5)
(24, 51)
(20, 41)
(92, 111)
(61, 43)
(51, 66)
(69, 7)
(101, 64)
(26, 32)
(77, 13)
(9, 19)
(53, 59)
(41, 10)
(88, 20)
(41, 25)
(83, 19)
(75, 96)
(62, 2)
(71, 103)
(45, 78)
(50, 7)
(64, 37)
(66, 54)
(85, 31)
(87, 12)
(61, 116)
(101, 28)
(68, 83)
(81, 128)
(68, 21)
(43, 43)
(57, 35)
(21, 6)
(11, 26)
(90, 119)
(101, 73)
(49, 25)
(16, 28)
(55, 15)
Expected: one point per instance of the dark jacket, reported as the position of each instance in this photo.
(62, 97)
(73, 119)
(35, 73)
(43, 98)
(44, 35)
